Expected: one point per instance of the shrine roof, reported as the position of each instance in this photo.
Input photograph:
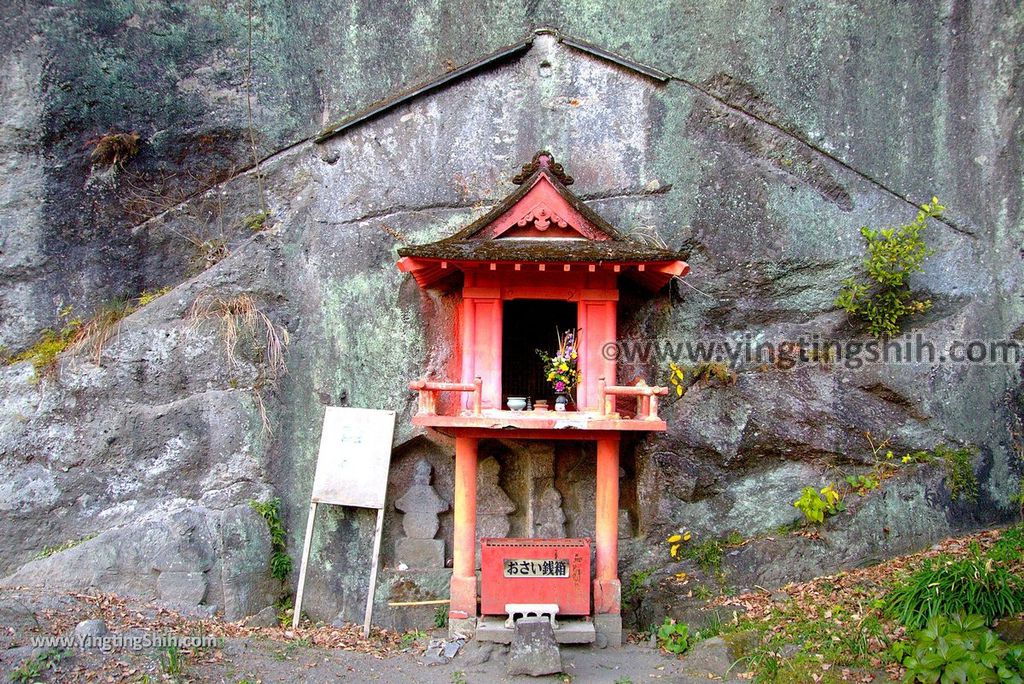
(596, 241)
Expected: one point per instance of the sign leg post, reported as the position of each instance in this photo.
(302, 566)
(373, 571)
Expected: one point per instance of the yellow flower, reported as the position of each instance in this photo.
(674, 538)
(563, 368)
(906, 459)
(673, 550)
(686, 536)
(574, 355)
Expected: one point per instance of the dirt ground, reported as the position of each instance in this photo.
(272, 654)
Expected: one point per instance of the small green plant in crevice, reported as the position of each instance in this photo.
(48, 551)
(636, 585)
(33, 669)
(411, 637)
(862, 484)
(975, 585)
(881, 294)
(280, 561)
(707, 554)
(959, 648)
(674, 636)
(960, 478)
(816, 505)
(285, 608)
(703, 592)
(256, 222)
(458, 677)
(441, 616)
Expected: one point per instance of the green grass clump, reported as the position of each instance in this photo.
(33, 669)
(973, 585)
(1010, 547)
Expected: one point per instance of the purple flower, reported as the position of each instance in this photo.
(559, 386)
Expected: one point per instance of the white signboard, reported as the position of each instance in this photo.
(351, 470)
(355, 452)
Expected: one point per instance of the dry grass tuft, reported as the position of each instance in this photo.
(114, 149)
(241, 315)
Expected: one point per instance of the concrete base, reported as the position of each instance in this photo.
(610, 627)
(462, 627)
(570, 631)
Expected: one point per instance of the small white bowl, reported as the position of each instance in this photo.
(516, 403)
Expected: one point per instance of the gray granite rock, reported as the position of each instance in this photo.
(534, 650)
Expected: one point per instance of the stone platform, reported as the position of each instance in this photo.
(492, 628)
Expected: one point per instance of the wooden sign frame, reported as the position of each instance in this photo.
(351, 470)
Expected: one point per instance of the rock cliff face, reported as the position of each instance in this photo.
(782, 130)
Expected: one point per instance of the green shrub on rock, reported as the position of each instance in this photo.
(881, 296)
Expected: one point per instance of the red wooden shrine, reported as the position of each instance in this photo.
(540, 244)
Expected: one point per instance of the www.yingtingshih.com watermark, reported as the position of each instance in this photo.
(108, 643)
(814, 349)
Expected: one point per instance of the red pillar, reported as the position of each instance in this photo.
(607, 589)
(463, 587)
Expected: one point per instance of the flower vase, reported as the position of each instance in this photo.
(561, 401)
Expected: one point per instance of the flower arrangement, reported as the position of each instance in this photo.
(560, 369)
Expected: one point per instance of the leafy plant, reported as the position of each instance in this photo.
(973, 585)
(32, 670)
(677, 378)
(960, 477)
(960, 649)
(280, 561)
(674, 636)
(881, 295)
(815, 505)
(862, 484)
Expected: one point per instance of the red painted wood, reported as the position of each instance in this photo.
(572, 593)
(542, 212)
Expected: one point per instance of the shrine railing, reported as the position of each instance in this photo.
(646, 398)
(428, 392)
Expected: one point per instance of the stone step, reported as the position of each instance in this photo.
(569, 631)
